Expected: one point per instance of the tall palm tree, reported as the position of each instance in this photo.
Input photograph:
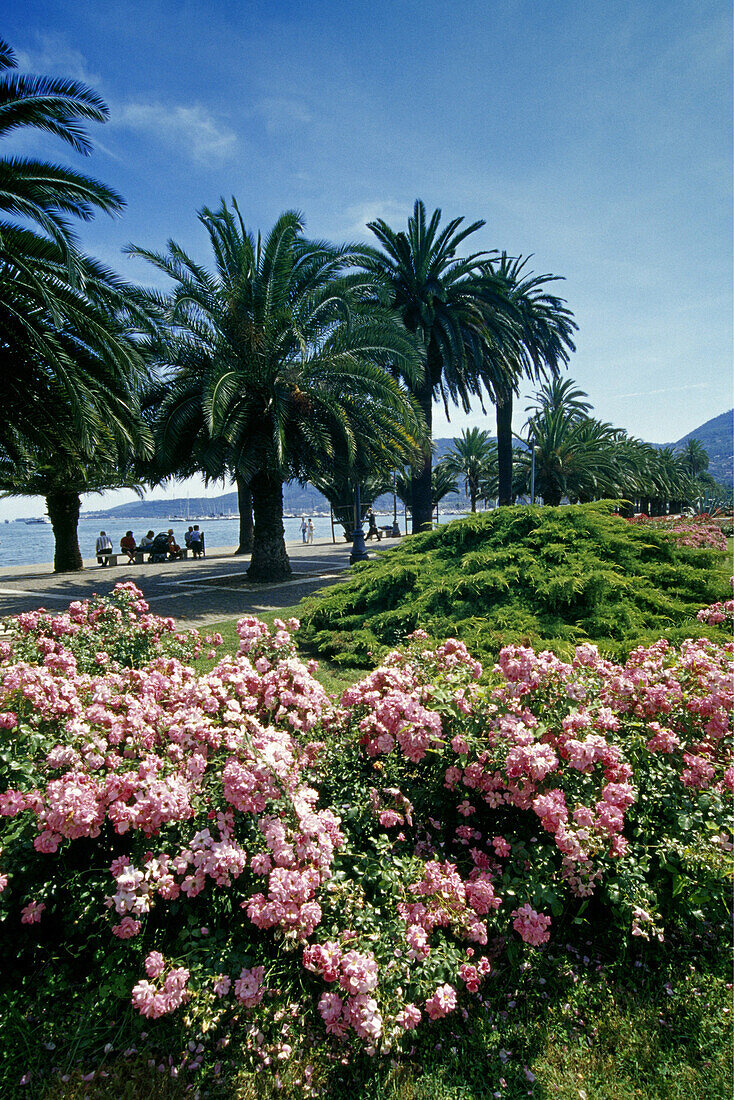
(473, 457)
(542, 343)
(560, 393)
(695, 457)
(295, 365)
(453, 304)
(46, 287)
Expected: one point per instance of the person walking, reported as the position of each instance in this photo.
(304, 529)
(309, 531)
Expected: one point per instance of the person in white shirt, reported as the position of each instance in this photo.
(103, 548)
(309, 531)
(304, 528)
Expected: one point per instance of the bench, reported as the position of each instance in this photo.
(112, 559)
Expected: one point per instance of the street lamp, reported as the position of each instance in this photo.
(395, 533)
(359, 548)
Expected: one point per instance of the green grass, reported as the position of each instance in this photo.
(655, 1025)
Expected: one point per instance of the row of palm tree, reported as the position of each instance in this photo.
(290, 358)
(287, 358)
(574, 456)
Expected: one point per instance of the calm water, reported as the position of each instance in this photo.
(33, 544)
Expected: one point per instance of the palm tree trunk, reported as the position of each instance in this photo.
(422, 497)
(504, 449)
(269, 560)
(63, 510)
(473, 496)
(244, 506)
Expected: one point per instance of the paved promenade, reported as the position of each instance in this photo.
(193, 592)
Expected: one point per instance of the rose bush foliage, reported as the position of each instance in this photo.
(264, 862)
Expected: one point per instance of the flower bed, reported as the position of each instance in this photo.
(700, 530)
(285, 873)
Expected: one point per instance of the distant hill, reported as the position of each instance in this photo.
(715, 435)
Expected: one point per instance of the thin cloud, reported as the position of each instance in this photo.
(193, 129)
(284, 112)
(394, 213)
(54, 57)
(667, 389)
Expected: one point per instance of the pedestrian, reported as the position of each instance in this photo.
(103, 548)
(304, 529)
(187, 538)
(309, 531)
(196, 542)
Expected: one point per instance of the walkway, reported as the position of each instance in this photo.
(193, 592)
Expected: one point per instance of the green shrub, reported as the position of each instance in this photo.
(548, 577)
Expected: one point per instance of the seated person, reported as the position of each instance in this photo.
(127, 545)
(196, 542)
(146, 543)
(103, 548)
(174, 550)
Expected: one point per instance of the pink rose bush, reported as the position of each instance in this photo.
(258, 859)
(700, 530)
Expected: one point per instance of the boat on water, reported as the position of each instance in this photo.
(39, 519)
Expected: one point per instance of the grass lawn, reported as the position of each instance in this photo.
(653, 1026)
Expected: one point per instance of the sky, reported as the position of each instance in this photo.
(593, 134)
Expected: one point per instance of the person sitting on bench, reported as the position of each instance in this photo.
(127, 546)
(174, 550)
(146, 543)
(103, 548)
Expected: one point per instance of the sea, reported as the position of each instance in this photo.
(23, 543)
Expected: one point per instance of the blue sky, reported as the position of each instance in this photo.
(595, 135)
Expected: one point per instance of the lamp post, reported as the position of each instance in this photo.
(359, 549)
(532, 474)
(395, 533)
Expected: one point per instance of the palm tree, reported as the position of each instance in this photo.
(295, 368)
(542, 343)
(560, 393)
(59, 464)
(473, 457)
(46, 286)
(443, 484)
(453, 304)
(695, 457)
(573, 456)
(174, 407)
(338, 485)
